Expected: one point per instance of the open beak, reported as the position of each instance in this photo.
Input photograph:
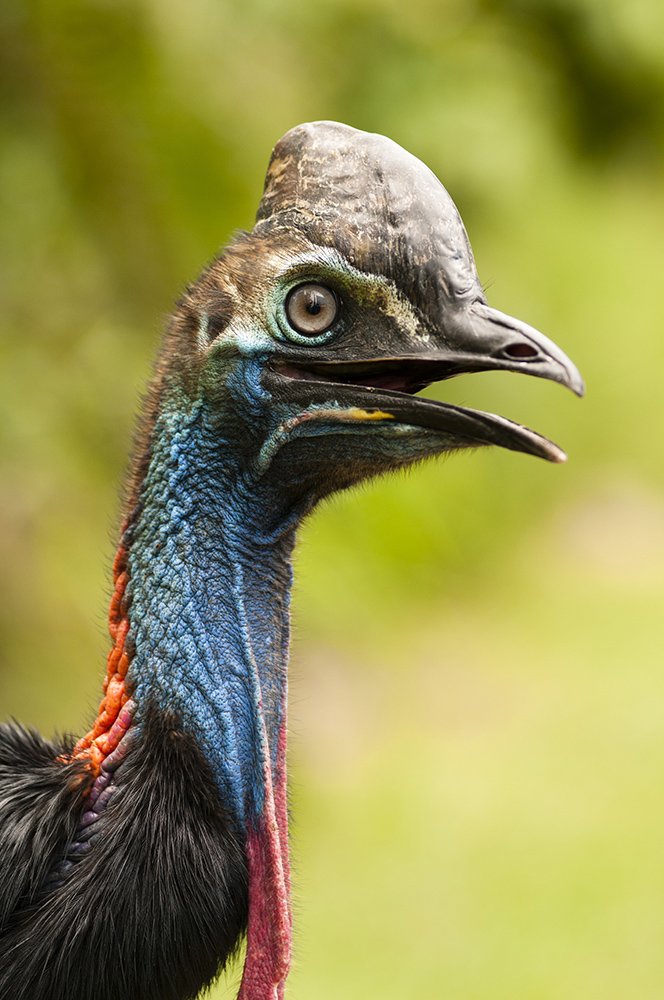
(476, 339)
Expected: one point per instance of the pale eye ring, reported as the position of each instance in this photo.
(311, 309)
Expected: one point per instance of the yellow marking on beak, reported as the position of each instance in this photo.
(355, 413)
(347, 415)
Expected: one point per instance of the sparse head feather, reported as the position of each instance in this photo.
(380, 206)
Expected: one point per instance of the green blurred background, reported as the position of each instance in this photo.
(477, 701)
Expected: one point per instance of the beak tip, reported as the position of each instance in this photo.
(574, 380)
(579, 386)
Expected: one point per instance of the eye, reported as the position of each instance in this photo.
(312, 309)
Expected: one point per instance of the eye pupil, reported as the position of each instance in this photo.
(311, 309)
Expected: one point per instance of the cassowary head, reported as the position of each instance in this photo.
(356, 288)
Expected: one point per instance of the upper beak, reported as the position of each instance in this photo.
(481, 338)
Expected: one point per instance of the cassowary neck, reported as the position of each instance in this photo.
(209, 581)
(200, 619)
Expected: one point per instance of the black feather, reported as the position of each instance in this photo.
(40, 801)
(157, 905)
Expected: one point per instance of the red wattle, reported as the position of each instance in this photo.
(269, 928)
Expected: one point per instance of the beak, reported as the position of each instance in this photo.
(475, 339)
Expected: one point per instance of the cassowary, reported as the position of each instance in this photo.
(133, 860)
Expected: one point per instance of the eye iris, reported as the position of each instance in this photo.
(311, 309)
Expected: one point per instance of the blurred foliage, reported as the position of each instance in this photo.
(476, 708)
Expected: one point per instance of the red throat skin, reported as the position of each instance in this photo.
(269, 930)
(115, 711)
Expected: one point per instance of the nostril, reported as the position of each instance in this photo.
(521, 351)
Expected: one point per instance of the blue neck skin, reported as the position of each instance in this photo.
(210, 577)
